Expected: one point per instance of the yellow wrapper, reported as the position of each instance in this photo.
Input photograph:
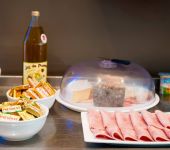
(25, 116)
(34, 111)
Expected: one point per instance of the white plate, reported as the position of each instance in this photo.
(90, 138)
(80, 107)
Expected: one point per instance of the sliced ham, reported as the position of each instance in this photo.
(164, 118)
(151, 119)
(157, 134)
(140, 126)
(96, 124)
(137, 120)
(110, 125)
(143, 134)
(125, 125)
(133, 126)
(167, 132)
(129, 101)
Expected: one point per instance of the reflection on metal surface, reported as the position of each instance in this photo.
(2, 140)
(164, 103)
(69, 124)
(49, 129)
(165, 98)
(66, 113)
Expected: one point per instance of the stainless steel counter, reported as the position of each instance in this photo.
(63, 128)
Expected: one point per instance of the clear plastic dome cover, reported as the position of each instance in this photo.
(108, 83)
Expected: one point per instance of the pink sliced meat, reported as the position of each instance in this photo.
(110, 125)
(129, 101)
(151, 119)
(164, 118)
(157, 134)
(140, 126)
(125, 125)
(96, 124)
(167, 132)
(143, 134)
(137, 120)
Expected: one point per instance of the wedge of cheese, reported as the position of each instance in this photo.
(78, 91)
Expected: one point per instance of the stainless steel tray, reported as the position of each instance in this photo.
(62, 124)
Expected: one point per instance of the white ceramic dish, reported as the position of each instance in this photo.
(89, 137)
(85, 106)
(47, 101)
(23, 130)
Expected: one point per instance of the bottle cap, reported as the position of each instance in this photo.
(35, 13)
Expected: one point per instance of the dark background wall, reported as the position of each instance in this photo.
(78, 30)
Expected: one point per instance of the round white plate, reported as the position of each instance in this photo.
(80, 107)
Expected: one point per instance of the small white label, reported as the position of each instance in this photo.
(9, 109)
(8, 117)
(43, 38)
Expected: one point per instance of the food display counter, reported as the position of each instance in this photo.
(63, 128)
